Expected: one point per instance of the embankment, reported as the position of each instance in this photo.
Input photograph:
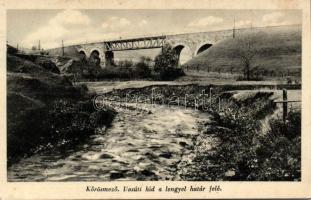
(44, 109)
(277, 50)
(191, 95)
(239, 150)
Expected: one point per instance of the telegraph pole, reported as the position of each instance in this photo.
(39, 47)
(233, 32)
(63, 49)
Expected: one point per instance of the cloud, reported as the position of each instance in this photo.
(143, 22)
(274, 19)
(70, 17)
(210, 20)
(64, 26)
(114, 23)
(243, 23)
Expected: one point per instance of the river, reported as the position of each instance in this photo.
(141, 144)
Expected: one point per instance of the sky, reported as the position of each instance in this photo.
(27, 27)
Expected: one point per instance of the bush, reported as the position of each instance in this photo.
(124, 70)
(253, 78)
(171, 73)
(166, 64)
(279, 150)
(47, 64)
(53, 125)
(141, 70)
(245, 152)
(113, 72)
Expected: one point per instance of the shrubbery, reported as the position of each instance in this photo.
(171, 73)
(244, 153)
(45, 110)
(166, 64)
(54, 125)
(123, 70)
(163, 68)
(279, 150)
(256, 78)
(141, 70)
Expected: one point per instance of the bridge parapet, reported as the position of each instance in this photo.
(134, 44)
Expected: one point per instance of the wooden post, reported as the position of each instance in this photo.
(210, 96)
(233, 32)
(288, 73)
(284, 104)
(63, 49)
(219, 104)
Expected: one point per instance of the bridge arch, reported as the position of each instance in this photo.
(82, 55)
(95, 56)
(182, 52)
(82, 51)
(202, 47)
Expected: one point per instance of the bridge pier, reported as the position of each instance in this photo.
(109, 58)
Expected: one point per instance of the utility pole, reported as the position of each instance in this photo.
(39, 48)
(233, 33)
(284, 104)
(252, 17)
(63, 49)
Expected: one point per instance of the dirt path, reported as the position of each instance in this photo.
(142, 144)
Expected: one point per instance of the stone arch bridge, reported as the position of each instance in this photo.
(103, 52)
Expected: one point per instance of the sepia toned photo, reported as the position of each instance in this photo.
(155, 99)
(154, 95)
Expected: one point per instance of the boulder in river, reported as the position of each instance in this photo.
(116, 175)
(166, 155)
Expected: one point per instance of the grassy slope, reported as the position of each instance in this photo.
(45, 108)
(278, 48)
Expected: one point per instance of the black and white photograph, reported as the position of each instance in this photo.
(96, 95)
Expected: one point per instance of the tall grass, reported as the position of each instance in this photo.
(243, 153)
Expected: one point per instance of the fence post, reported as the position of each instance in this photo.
(210, 97)
(284, 104)
(219, 104)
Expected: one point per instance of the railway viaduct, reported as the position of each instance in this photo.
(103, 51)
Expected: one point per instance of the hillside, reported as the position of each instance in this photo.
(44, 109)
(277, 49)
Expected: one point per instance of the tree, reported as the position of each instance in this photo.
(166, 64)
(141, 69)
(125, 64)
(166, 59)
(246, 51)
(34, 48)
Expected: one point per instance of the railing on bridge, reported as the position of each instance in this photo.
(138, 43)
